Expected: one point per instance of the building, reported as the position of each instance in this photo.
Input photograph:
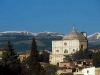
(91, 71)
(72, 42)
(88, 71)
(1, 52)
(67, 64)
(23, 55)
(64, 72)
(84, 62)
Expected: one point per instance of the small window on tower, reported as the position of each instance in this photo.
(82, 47)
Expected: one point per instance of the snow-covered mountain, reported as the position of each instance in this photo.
(50, 33)
(31, 33)
(21, 40)
(94, 37)
(18, 32)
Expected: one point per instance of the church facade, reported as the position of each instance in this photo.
(72, 42)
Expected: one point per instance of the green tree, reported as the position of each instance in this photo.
(35, 67)
(26, 60)
(83, 54)
(69, 58)
(96, 59)
(78, 55)
(10, 59)
(44, 57)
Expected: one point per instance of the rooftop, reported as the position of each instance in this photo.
(74, 35)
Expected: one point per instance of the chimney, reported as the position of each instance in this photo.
(84, 34)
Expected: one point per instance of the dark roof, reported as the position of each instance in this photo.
(86, 60)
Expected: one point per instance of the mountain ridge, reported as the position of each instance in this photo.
(94, 37)
(21, 40)
(28, 32)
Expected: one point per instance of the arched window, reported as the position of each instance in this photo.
(66, 51)
(82, 47)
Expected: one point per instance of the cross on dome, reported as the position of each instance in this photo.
(73, 26)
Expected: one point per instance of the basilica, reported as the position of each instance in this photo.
(72, 42)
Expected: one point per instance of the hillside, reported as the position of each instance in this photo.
(94, 37)
(94, 40)
(21, 40)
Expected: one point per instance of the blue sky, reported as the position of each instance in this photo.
(50, 15)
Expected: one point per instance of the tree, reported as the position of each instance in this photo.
(35, 67)
(44, 57)
(51, 69)
(26, 60)
(96, 59)
(10, 59)
(78, 55)
(69, 58)
(83, 54)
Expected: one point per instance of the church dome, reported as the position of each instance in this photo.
(74, 35)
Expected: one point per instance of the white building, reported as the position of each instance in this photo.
(91, 71)
(70, 43)
(88, 71)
